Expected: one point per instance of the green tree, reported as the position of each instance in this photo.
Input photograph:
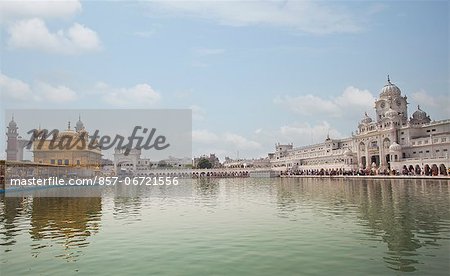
(204, 163)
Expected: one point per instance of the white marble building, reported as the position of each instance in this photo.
(389, 142)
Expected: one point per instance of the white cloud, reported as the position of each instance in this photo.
(352, 101)
(140, 95)
(57, 94)
(438, 106)
(34, 34)
(204, 137)
(241, 142)
(19, 91)
(14, 89)
(306, 16)
(305, 134)
(227, 140)
(38, 8)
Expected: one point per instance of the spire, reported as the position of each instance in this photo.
(389, 80)
(418, 107)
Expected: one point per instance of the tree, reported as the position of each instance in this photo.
(204, 163)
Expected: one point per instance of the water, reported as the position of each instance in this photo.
(234, 227)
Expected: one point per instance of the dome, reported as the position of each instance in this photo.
(395, 147)
(79, 125)
(391, 113)
(390, 90)
(420, 117)
(419, 114)
(12, 124)
(366, 119)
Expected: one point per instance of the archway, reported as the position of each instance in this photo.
(411, 169)
(388, 161)
(418, 170)
(443, 169)
(434, 170)
(375, 159)
(363, 161)
(427, 170)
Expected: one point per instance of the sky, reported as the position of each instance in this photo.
(254, 73)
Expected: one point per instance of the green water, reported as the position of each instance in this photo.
(234, 227)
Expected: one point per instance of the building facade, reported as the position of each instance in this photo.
(390, 143)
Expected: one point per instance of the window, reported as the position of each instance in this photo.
(413, 143)
(59, 162)
(425, 142)
(52, 161)
(437, 150)
(427, 151)
(433, 129)
(435, 140)
(420, 151)
(78, 162)
(66, 162)
(428, 130)
(445, 150)
(402, 132)
(414, 152)
(444, 139)
(419, 143)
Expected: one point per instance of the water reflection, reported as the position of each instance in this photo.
(63, 221)
(407, 215)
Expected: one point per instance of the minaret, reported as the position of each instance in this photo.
(11, 142)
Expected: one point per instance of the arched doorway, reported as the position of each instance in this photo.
(442, 169)
(427, 170)
(388, 161)
(418, 170)
(434, 170)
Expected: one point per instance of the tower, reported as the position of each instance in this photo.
(391, 104)
(11, 142)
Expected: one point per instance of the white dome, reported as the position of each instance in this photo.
(395, 147)
(366, 120)
(391, 113)
(390, 90)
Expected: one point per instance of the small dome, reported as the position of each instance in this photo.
(390, 90)
(395, 147)
(366, 120)
(391, 113)
(79, 125)
(419, 114)
(420, 117)
(12, 123)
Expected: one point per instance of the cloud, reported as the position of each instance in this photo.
(140, 95)
(34, 34)
(14, 89)
(227, 140)
(19, 91)
(38, 8)
(57, 94)
(351, 102)
(305, 16)
(305, 134)
(204, 137)
(241, 142)
(436, 105)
